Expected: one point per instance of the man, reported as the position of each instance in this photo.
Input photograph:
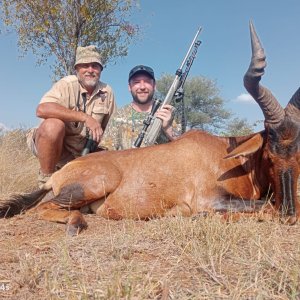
(128, 121)
(76, 106)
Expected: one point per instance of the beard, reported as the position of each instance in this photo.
(88, 83)
(136, 99)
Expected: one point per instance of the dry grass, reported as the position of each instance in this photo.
(18, 167)
(170, 258)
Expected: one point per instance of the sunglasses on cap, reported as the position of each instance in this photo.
(141, 69)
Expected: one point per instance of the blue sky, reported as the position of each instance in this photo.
(168, 28)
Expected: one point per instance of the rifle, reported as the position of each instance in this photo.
(89, 147)
(176, 90)
(156, 104)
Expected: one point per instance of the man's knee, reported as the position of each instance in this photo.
(52, 129)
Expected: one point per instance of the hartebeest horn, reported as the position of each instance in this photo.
(270, 107)
(293, 107)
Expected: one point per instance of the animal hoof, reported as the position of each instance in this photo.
(75, 229)
(290, 220)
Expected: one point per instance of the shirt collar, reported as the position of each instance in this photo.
(98, 89)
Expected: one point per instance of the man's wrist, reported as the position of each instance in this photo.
(170, 133)
(83, 116)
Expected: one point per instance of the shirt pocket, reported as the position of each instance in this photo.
(99, 111)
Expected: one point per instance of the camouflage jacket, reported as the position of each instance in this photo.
(124, 128)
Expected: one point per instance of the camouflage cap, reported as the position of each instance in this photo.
(86, 55)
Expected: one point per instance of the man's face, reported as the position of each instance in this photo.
(88, 74)
(142, 88)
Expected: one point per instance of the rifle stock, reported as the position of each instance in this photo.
(179, 80)
(156, 125)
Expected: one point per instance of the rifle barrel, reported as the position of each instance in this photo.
(155, 127)
(191, 46)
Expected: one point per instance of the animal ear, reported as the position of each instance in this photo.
(246, 148)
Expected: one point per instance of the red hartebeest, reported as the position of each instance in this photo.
(198, 172)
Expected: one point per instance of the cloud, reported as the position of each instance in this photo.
(3, 127)
(244, 98)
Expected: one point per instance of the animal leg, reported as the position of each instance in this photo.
(53, 212)
(238, 216)
(267, 213)
(182, 209)
(106, 211)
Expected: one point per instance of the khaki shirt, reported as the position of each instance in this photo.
(69, 93)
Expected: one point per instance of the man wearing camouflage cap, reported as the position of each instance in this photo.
(75, 106)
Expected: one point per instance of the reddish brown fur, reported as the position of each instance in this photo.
(197, 173)
(185, 177)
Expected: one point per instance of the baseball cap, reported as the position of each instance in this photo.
(141, 69)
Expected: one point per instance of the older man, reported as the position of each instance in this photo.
(76, 105)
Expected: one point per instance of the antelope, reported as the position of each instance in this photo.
(198, 172)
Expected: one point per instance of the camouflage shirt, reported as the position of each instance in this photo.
(125, 127)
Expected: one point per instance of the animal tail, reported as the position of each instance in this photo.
(22, 202)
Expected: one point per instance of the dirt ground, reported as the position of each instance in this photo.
(109, 260)
(170, 258)
(34, 251)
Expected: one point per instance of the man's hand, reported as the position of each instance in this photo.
(165, 114)
(54, 110)
(94, 128)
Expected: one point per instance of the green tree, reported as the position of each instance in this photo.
(238, 127)
(204, 107)
(54, 28)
